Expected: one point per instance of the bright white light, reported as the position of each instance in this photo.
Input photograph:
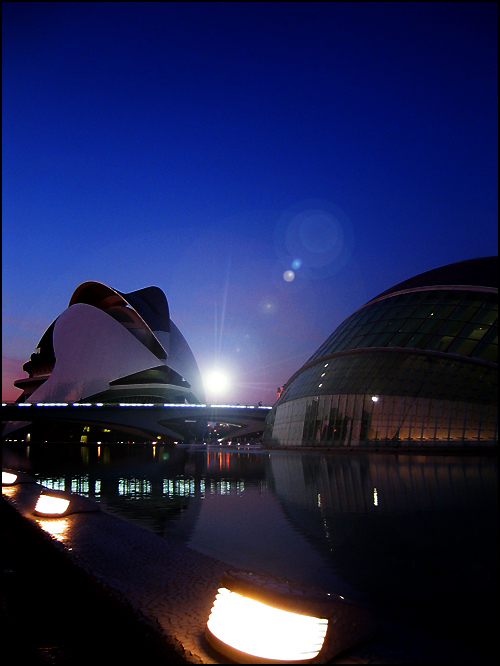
(217, 381)
(49, 505)
(263, 631)
(375, 398)
(289, 276)
(8, 478)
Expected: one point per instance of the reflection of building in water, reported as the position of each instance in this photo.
(149, 484)
(416, 364)
(408, 532)
(384, 483)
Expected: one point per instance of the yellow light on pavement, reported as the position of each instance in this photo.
(56, 528)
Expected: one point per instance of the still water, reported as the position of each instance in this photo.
(414, 537)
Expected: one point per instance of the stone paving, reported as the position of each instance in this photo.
(171, 587)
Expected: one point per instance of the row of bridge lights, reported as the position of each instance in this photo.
(128, 404)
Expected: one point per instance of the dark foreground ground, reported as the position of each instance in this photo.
(53, 614)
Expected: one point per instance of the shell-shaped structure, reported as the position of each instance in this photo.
(417, 364)
(110, 346)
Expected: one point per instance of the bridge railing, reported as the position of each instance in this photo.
(131, 404)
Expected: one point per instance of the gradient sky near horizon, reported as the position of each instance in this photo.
(209, 148)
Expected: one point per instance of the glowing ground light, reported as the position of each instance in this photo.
(50, 505)
(288, 276)
(8, 478)
(265, 632)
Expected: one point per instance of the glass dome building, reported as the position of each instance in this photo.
(416, 365)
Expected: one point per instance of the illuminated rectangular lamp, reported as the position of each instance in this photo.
(258, 618)
(57, 503)
(12, 477)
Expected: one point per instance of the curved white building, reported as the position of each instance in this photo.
(113, 347)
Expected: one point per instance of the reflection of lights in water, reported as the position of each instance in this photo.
(263, 631)
(375, 497)
(134, 487)
(289, 276)
(56, 528)
(54, 483)
(80, 484)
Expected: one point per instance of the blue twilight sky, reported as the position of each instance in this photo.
(207, 148)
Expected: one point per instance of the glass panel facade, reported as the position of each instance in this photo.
(367, 395)
(355, 420)
(470, 315)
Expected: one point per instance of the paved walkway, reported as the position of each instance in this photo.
(115, 587)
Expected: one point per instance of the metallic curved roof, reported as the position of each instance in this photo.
(152, 305)
(480, 272)
(145, 309)
(450, 312)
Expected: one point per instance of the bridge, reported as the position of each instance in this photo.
(146, 420)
